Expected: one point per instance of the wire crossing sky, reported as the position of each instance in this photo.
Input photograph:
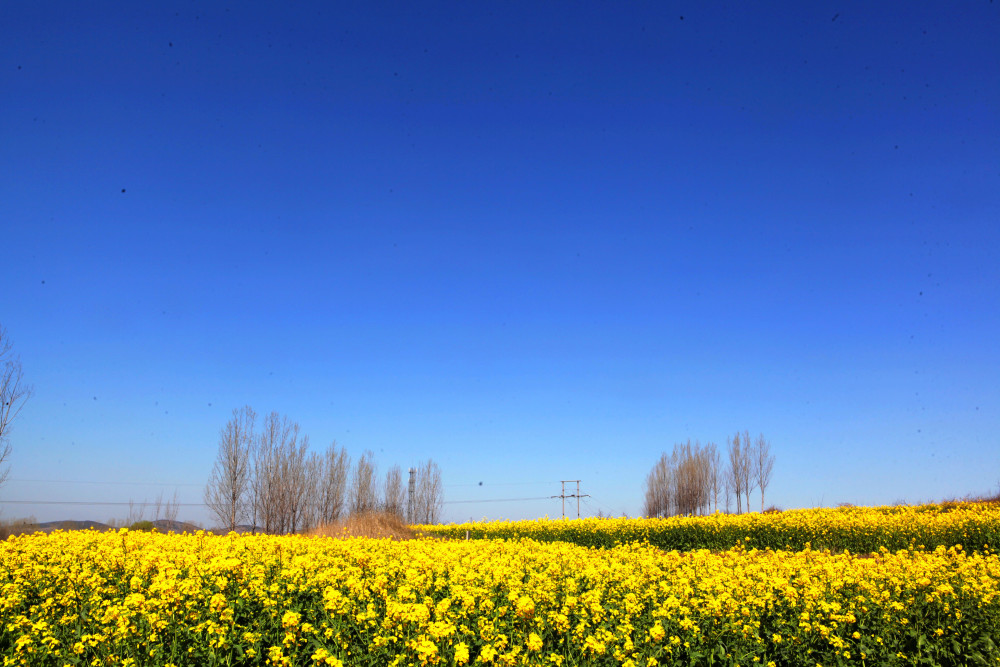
(530, 241)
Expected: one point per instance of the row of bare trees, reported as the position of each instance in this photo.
(692, 478)
(750, 467)
(685, 482)
(268, 477)
(159, 509)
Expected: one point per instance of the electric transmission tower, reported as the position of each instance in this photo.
(563, 495)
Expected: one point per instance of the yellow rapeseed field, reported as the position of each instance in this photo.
(857, 529)
(131, 598)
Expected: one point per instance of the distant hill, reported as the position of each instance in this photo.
(161, 525)
(168, 526)
(49, 526)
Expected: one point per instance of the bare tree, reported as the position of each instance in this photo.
(331, 486)
(13, 395)
(265, 484)
(763, 462)
(393, 495)
(296, 484)
(659, 483)
(171, 508)
(686, 484)
(681, 483)
(694, 478)
(165, 509)
(364, 489)
(136, 512)
(727, 490)
(226, 493)
(428, 494)
(158, 506)
(735, 473)
(715, 473)
(285, 478)
(746, 467)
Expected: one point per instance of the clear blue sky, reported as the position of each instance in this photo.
(532, 241)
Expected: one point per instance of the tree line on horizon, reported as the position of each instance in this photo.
(693, 478)
(269, 478)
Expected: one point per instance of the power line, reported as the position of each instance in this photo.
(494, 500)
(563, 495)
(597, 505)
(145, 483)
(139, 504)
(491, 484)
(116, 483)
(102, 503)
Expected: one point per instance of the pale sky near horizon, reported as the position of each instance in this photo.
(532, 242)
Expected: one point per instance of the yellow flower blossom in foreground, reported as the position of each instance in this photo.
(88, 598)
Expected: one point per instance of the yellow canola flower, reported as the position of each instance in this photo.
(290, 620)
(857, 529)
(101, 598)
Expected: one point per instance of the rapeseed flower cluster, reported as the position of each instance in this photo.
(858, 529)
(127, 598)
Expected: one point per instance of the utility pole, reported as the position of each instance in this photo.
(576, 495)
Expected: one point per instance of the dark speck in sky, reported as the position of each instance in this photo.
(535, 181)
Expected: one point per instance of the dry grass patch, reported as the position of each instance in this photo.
(380, 524)
(11, 527)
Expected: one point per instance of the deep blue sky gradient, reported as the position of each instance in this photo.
(532, 241)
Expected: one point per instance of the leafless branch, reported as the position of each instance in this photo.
(393, 495)
(364, 490)
(332, 485)
(763, 465)
(14, 393)
(428, 494)
(227, 491)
